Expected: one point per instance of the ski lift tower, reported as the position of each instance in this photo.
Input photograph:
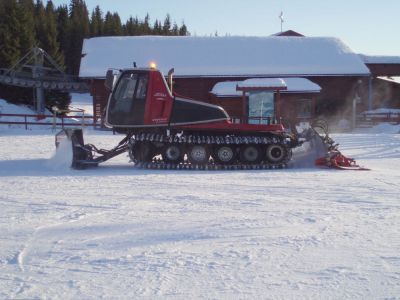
(38, 70)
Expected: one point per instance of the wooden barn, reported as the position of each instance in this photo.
(202, 65)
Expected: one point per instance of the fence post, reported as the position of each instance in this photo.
(26, 124)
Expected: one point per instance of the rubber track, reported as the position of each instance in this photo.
(158, 164)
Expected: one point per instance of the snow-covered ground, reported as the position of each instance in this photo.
(119, 232)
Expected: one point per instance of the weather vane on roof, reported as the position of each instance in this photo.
(281, 18)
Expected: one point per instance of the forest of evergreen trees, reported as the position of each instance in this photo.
(60, 32)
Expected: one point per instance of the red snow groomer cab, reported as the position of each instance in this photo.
(166, 131)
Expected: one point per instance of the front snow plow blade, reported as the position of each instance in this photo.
(81, 156)
(88, 155)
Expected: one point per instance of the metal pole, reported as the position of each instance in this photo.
(244, 108)
(370, 91)
(36, 73)
(353, 120)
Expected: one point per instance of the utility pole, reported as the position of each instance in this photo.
(281, 18)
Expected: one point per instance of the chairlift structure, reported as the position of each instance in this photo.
(38, 70)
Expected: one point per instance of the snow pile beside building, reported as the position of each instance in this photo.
(81, 101)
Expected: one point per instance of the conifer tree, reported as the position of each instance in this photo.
(117, 25)
(145, 26)
(166, 29)
(78, 30)
(96, 22)
(10, 44)
(108, 24)
(157, 28)
(26, 35)
(183, 30)
(51, 44)
(175, 29)
(131, 26)
(62, 28)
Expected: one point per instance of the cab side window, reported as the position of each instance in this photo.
(142, 88)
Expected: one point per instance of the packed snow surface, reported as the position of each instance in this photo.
(222, 56)
(117, 232)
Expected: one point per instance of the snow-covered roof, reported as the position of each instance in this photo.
(293, 85)
(374, 59)
(262, 83)
(393, 79)
(301, 85)
(222, 56)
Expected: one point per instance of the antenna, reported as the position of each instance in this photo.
(281, 18)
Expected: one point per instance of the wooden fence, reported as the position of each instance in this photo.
(372, 118)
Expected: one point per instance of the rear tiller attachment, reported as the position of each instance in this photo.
(337, 160)
(333, 157)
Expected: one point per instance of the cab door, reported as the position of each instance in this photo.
(128, 100)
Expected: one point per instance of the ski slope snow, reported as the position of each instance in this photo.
(118, 232)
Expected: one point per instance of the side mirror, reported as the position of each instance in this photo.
(109, 83)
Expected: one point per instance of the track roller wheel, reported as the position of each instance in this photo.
(276, 153)
(173, 153)
(198, 154)
(143, 152)
(224, 154)
(250, 154)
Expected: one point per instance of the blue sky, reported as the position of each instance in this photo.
(369, 27)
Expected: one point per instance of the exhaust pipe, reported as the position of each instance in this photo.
(170, 79)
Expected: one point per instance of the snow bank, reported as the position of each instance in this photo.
(9, 108)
